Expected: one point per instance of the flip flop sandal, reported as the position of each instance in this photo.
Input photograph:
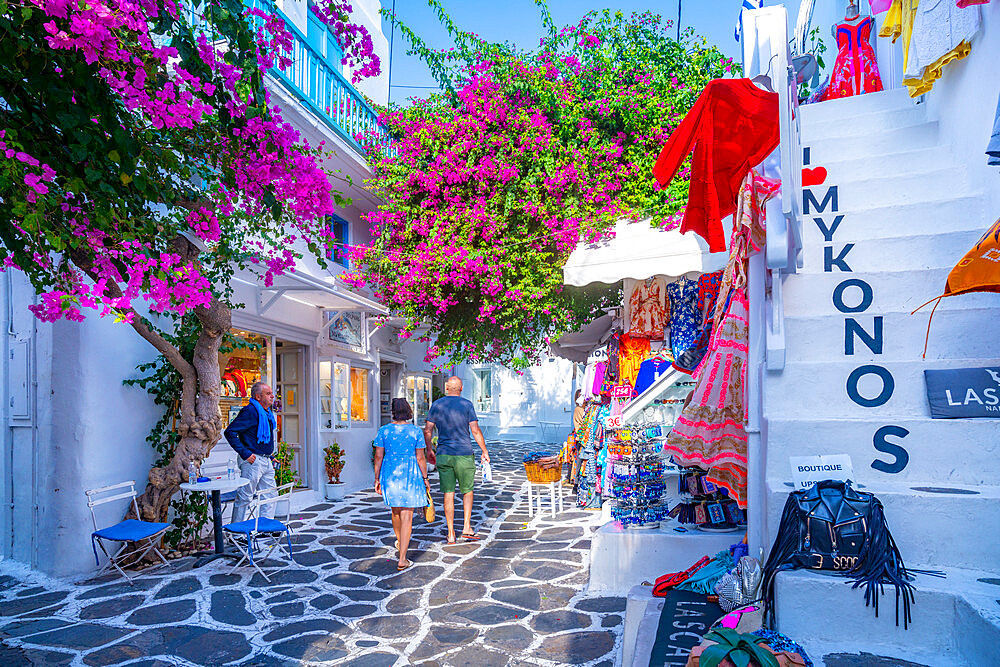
(471, 538)
(400, 568)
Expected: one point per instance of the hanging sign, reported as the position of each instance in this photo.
(613, 422)
(963, 392)
(807, 470)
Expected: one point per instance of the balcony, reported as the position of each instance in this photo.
(315, 80)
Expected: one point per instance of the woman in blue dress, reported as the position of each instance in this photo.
(401, 472)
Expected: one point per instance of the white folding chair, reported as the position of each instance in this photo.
(263, 530)
(144, 534)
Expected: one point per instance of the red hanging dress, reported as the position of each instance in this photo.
(732, 127)
(855, 72)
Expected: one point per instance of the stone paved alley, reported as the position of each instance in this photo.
(516, 598)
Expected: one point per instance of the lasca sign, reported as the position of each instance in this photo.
(963, 392)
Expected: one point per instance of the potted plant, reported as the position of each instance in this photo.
(333, 460)
(733, 649)
(284, 473)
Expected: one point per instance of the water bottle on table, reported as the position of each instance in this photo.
(231, 470)
(192, 473)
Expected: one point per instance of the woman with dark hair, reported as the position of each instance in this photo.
(401, 473)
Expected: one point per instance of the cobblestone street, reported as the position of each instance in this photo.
(515, 598)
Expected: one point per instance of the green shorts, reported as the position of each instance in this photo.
(460, 469)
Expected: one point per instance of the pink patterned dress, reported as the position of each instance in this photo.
(855, 71)
(710, 432)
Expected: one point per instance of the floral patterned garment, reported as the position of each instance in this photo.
(632, 352)
(685, 320)
(647, 307)
(855, 72)
(710, 432)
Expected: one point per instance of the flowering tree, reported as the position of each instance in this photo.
(141, 164)
(526, 154)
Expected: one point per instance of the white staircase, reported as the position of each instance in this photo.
(910, 214)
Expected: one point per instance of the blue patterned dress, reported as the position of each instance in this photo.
(402, 482)
(685, 320)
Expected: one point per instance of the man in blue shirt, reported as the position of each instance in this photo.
(457, 424)
(251, 435)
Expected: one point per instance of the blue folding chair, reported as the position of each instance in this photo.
(144, 534)
(262, 529)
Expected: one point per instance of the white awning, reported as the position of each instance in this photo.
(576, 345)
(316, 292)
(640, 251)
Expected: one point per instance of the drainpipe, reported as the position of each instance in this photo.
(756, 435)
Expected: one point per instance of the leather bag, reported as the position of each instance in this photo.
(833, 526)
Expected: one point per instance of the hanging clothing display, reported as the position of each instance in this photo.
(748, 235)
(898, 23)
(685, 320)
(649, 372)
(599, 369)
(732, 127)
(612, 372)
(942, 32)
(710, 431)
(855, 71)
(647, 309)
(631, 353)
(588, 488)
(587, 386)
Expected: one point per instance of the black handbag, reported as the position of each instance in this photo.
(833, 526)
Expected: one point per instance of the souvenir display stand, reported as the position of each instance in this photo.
(623, 556)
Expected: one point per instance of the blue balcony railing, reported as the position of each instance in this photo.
(320, 87)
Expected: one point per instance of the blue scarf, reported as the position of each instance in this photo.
(265, 422)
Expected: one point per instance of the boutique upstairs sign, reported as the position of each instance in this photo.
(852, 297)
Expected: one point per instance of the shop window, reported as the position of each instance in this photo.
(245, 358)
(482, 390)
(359, 395)
(418, 393)
(340, 229)
(344, 398)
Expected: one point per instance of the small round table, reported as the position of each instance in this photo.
(217, 487)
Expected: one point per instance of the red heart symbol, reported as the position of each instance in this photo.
(813, 176)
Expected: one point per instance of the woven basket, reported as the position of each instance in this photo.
(544, 469)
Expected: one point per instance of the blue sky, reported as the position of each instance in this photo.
(519, 21)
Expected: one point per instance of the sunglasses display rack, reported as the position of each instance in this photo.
(636, 476)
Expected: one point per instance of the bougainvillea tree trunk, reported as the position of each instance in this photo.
(199, 424)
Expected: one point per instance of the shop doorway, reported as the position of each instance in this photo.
(289, 390)
(389, 387)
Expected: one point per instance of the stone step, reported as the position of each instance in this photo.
(939, 452)
(818, 389)
(933, 529)
(863, 125)
(861, 191)
(913, 137)
(811, 294)
(900, 161)
(922, 215)
(925, 251)
(853, 108)
(955, 334)
(955, 620)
